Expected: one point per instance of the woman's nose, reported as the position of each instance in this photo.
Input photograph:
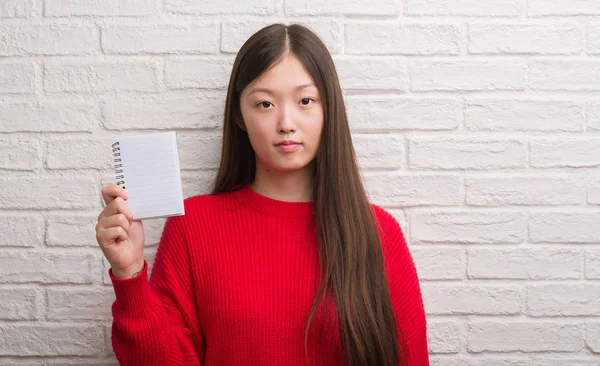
(286, 119)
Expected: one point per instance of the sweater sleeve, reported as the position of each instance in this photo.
(155, 320)
(405, 292)
(416, 352)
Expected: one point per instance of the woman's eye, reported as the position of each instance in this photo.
(264, 104)
(307, 100)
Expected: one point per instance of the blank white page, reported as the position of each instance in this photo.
(151, 175)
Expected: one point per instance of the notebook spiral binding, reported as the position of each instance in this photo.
(118, 165)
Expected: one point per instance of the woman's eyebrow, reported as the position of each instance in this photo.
(269, 91)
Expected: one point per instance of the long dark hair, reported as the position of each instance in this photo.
(350, 254)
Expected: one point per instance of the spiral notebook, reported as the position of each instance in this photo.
(147, 166)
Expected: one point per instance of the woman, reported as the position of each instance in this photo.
(286, 262)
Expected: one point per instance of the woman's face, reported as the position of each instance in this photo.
(283, 104)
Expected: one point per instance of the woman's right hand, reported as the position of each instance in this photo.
(119, 236)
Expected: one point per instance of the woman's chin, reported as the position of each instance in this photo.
(287, 167)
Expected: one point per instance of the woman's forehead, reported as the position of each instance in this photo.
(287, 76)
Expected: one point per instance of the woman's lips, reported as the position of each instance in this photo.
(287, 148)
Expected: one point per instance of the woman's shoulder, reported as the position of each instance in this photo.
(387, 223)
(217, 201)
(393, 241)
(199, 208)
(403, 278)
(202, 200)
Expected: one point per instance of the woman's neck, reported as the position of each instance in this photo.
(288, 187)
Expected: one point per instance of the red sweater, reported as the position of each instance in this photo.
(233, 282)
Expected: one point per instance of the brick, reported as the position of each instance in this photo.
(80, 304)
(570, 75)
(55, 39)
(593, 115)
(499, 190)
(76, 361)
(392, 113)
(346, 7)
(20, 154)
(445, 337)
(455, 360)
(17, 78)
(564, 227)
(562, 7)
(199, 183)
(593, 39)
(593, 190)
(485, 227)
(367, 73)
(565, 152)
(201, 7)
(153, 229)
(515, 360)
(472, 300)
(592, 264)
(201, 73)
(407, 39)
(51, 340)
(520, 39)
(200, 151)
(18, 304)
(565, 361)
(205, 111)
(524, 264)
(439, 264)
(574, 299)
(21, 231)
(79, 154)
(101, 8)
(48, 116)
(524, 337)
(467, 75)
(17, 8)
(160, 39)
(592, 337)
(235, 33)
(379, 151)
(98, 76)
(109, 349)
(503, 8)
(466, 153)
(413, 190)
(523, 115)
(46, 267)
(49, 192)
(72, 230)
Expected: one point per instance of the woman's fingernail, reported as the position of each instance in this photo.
(125, 195)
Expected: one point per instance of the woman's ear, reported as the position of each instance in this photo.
(239, 121)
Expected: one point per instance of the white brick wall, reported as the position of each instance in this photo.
(476, 122)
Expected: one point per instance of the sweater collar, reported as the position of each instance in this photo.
(271, 206)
